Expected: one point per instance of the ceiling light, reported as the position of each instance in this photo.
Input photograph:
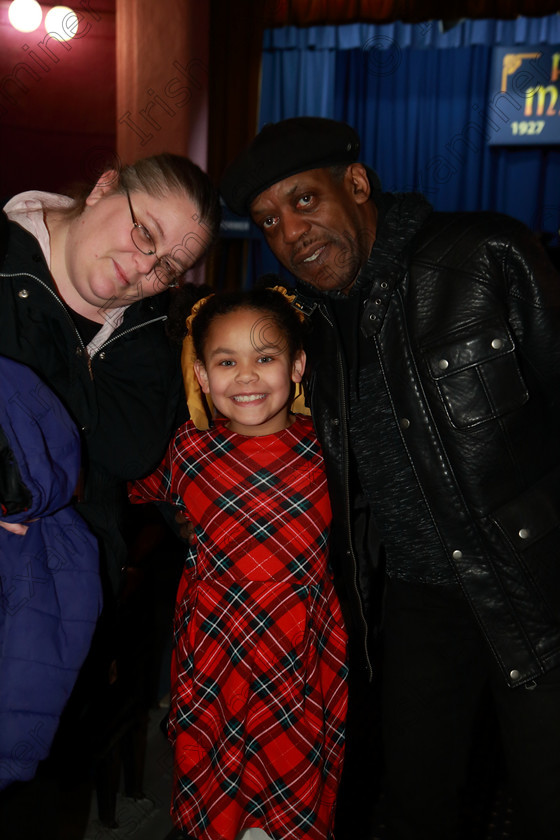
(25, 15)
(61, 22)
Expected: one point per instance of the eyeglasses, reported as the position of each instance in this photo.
(166, 271)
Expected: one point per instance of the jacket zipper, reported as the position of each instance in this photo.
(70, 321)
(113, 337)
(347, 499)
(59, 302)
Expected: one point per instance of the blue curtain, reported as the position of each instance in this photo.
(418, 97)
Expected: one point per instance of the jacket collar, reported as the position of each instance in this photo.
(390, 257)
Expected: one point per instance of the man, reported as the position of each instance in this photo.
(434, 356)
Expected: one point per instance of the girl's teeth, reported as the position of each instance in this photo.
(249, 398)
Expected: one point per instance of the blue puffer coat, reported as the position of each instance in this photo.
(50, 591)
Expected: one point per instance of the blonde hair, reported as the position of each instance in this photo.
(157, 176)
(160, 174)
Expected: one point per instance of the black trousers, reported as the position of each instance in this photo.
(436, 670)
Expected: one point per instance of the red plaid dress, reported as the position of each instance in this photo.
(259, 673)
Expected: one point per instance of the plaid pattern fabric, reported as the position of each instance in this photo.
(259, 670)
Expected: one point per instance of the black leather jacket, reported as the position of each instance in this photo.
(463, 317)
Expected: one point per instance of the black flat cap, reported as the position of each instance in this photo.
(285, 148)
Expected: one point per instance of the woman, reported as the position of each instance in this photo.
(83, 302)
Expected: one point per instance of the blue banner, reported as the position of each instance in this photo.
(524, 96)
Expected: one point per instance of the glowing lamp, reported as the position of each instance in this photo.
(25, 15)
(61, 22)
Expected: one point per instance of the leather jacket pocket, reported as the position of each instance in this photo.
(530, 524)
(532, 515)
(476, 373)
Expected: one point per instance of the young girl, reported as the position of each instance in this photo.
(258, 679)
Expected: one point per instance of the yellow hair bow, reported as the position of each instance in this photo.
(199, 404)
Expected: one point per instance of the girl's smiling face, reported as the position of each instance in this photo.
(248, 372)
